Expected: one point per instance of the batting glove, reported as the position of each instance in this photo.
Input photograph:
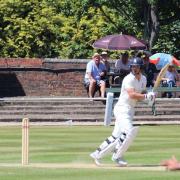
(150, 97)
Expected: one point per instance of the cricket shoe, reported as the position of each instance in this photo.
(94, 155)
(120, 161)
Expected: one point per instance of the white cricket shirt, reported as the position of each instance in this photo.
(131, 82)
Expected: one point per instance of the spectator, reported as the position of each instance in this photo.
(170, 79)
(149, 70)
(122, 66)
(104, 60)
(94, 76)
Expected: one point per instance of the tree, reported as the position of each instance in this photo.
(29, 29)
(67, 29)
(144, 18)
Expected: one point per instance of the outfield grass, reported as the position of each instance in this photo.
(73, 144)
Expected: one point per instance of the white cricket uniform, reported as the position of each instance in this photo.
(124, 108)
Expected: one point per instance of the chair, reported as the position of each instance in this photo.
(117, 80)
(169, 84)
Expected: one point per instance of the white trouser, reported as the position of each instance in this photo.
(124, 116)
(123, 126)
(122, 146)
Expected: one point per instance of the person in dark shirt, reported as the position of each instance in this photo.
(150, 70)
(104, 60)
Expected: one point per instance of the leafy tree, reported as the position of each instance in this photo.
(29, 29)
(66, 29)
(143, 18)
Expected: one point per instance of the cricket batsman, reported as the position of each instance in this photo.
(133, 89)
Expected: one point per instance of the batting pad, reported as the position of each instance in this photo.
(126, 143)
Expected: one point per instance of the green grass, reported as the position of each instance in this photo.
(73, 144)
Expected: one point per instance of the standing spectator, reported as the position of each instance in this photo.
(132, 90)
(150, 70)
(94, 76)
(169, 80)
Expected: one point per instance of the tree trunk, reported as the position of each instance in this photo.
(154, 26)
(147, 22)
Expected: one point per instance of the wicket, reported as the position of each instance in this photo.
(25, 141)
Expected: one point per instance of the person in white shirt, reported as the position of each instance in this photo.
(95, 71)
(132, 90)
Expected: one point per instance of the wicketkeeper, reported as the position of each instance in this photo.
(132, 90)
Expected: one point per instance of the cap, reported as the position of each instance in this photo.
(104, 53)
(96, 54)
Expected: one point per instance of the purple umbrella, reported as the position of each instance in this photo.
(119, 42)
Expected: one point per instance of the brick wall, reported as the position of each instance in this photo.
(42, 77)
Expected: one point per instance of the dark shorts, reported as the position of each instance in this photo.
(87, 82)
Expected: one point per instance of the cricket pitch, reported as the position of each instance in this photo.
(137, 167)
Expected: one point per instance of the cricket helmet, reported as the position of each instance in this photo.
(137, 62)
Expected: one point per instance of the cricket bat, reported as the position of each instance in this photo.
(157, 83)
(160, 76)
